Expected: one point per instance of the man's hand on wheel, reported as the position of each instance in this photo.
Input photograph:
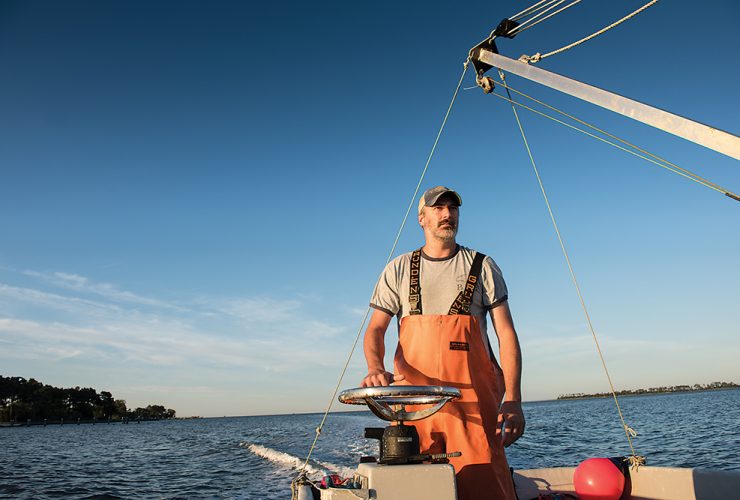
(376, 378)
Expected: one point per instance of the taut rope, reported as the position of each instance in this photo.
(302, 474)
(538, 57)
(638, 151)
(635, 460)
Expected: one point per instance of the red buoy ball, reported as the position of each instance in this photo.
(598, 479)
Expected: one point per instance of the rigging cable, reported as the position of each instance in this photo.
(529, 10)
(534, 11)
(635, 460)
(519, 29)
(302, 474)
(538, 57)
(542, 12)
(655, 159)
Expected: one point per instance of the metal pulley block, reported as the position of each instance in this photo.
(486, 83)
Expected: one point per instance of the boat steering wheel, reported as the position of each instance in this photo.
(380, 400)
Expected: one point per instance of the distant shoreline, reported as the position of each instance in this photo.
(79, 421)
(714, 386)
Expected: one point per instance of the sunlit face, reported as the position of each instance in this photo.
(441, 220)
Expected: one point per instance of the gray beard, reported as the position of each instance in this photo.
(445, 235)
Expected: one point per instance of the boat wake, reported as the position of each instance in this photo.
(314, 467)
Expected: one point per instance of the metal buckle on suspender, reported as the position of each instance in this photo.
(414, 303)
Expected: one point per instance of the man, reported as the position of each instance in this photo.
(440, 295)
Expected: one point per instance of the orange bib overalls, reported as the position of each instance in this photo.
(448, 350)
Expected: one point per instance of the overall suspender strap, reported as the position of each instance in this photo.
(414, 283)
(461, 305)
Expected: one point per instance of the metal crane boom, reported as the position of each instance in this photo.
(710, 137)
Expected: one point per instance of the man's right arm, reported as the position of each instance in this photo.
(374, 346)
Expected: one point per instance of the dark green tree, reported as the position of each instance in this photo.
(22, 400)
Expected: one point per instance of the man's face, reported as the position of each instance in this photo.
(441, 220)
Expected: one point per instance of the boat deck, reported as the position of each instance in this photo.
(647, 483)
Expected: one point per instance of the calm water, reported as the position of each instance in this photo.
(253, 457)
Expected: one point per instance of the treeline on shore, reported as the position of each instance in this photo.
(24, 400)
(655, 390)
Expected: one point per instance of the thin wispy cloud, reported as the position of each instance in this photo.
(57, 301)
(105, 290)
(258, 310)
(252, 333)
(176, 389)
(584, 344)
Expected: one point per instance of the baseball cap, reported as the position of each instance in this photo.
(431, 196)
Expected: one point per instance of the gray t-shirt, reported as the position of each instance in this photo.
(441, 281)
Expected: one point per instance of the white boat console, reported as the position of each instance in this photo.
(400, 471)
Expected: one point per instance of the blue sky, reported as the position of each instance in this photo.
(196, 198)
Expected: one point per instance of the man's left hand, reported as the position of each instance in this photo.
(511, 421)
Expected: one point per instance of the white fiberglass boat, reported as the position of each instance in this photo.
(401, 472)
